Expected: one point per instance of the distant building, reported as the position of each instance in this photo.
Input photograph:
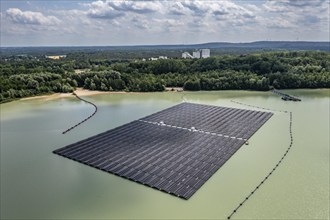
(162, 57)
(197, 54)
(159, 58)
(186, 55)
(205, 53)
(202, 53)
(56, 57)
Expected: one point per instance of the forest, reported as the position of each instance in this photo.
(27, 75)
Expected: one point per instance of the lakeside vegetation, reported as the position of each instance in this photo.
(22, 76)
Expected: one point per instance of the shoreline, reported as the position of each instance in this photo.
(79, 92)
(86, 92)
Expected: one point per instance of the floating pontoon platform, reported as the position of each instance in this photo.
(175, 150)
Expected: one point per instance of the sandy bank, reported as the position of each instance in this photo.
(78, 91)
(86, 92)
(49, 97)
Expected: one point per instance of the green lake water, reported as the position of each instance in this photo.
(37, 184)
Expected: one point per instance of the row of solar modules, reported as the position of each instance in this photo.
(118, 134)
(170, 181)
(190, 111)
(192, 167)
(235, 119)
(199, 146)
(101, 151)
(214, 150)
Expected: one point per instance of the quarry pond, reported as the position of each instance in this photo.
(37, 184)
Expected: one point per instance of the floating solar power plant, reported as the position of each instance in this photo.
(175, 150)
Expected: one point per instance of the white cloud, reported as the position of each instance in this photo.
(301, 3)
(302, 14)
(101, 9)
(278, 23)
(176, 8)
(198, 7)
(140, 7)
(113, 22)
(30, 17)
(140, 23)
(226, 12)
(114, 9)
(273, 6)
(296, 6)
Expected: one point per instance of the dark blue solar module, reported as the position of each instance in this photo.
(175, 150)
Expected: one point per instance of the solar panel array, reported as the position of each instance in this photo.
(175, 150)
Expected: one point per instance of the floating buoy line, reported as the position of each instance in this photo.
(76, 125)
(258, 107)
(276, 165)
(240, 103)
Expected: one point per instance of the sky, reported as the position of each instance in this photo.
(118, 22)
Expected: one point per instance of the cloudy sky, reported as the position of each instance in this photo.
(113, 22)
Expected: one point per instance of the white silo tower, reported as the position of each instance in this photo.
(205, 53)
(197, 54)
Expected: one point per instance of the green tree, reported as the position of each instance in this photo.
(192, 85)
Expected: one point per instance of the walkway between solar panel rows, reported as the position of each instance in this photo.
(76, 125)
(193, 129)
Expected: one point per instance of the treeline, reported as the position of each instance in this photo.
(264, 63)
(110, 80)
(23, 85)
(26, 76)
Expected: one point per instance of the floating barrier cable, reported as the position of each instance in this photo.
(274, 168)
(267, 109)
(76, 125)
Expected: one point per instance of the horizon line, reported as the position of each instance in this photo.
(148, 45)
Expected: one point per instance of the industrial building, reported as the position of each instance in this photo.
(201, 53)
(205, 53)
(197, 54)
(186, 55)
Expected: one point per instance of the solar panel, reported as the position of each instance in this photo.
(175, 150)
